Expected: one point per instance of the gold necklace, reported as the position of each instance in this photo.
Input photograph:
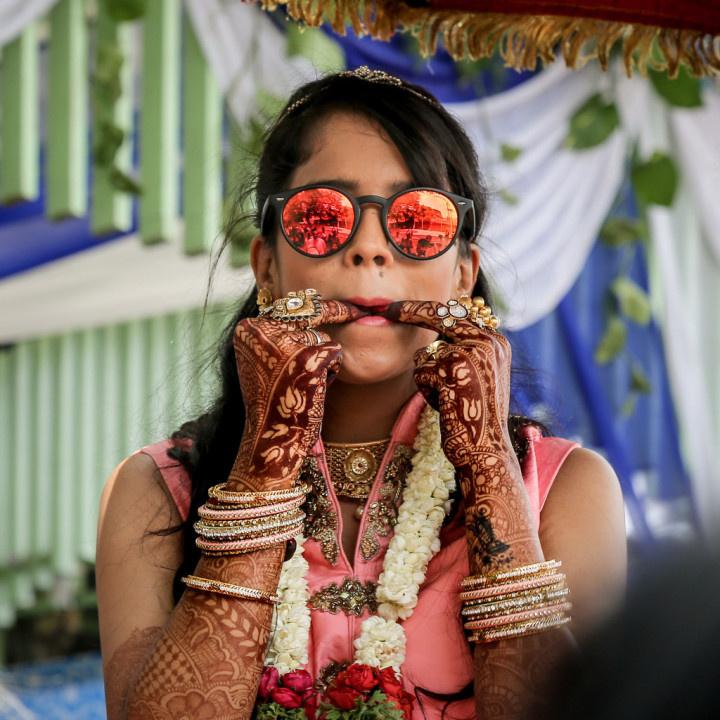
(353, 466)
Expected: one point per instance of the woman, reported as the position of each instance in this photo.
(384, 408)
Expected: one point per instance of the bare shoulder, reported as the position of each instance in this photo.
(585, 478)
(135, 568)
(583, 524)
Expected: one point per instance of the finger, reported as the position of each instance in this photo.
(424, 313)
(335, 312)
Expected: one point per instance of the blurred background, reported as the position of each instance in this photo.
(127, 128)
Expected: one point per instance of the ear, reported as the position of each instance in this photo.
(467, 269)
(263, 264)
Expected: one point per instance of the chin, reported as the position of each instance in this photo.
(365, 367)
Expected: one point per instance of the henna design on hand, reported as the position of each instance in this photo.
(468, 381)
(283, 376)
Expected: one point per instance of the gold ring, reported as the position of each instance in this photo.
(433, 348)
(300, 305)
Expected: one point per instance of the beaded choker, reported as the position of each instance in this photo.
(353, 466)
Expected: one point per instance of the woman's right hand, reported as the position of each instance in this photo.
(283, 378)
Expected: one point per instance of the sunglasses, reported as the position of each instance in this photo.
(320, 220)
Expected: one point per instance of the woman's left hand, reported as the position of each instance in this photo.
(467, 379)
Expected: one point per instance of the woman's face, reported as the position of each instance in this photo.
(349, 151)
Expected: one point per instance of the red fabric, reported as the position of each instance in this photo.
(690, 14)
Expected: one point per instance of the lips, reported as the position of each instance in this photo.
(373, 305)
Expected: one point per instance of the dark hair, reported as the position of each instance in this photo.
(437, 152)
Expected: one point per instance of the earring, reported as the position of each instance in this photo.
(264, 300)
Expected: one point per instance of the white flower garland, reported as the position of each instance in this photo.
(382, 640)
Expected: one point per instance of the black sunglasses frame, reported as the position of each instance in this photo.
(277, 201)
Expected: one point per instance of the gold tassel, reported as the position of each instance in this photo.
(520, 39)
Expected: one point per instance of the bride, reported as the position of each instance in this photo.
(359, 519)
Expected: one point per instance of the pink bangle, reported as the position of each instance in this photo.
(503, 620)
(242, 546)
(208, 511)
(504, 588)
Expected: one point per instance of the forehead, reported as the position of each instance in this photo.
(345, 145)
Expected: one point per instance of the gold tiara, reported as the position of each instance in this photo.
(369, 75)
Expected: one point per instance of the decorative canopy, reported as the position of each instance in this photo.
(657, 34)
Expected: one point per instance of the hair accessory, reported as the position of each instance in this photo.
(369, 75)
(222, 588)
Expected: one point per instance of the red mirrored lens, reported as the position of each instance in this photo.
(422, 222)
(318, 221)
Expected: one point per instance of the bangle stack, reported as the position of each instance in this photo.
(232, 523)
(516, 602)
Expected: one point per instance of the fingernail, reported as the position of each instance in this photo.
(392, 312)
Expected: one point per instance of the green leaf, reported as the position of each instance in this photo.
(682, 91)
(628, 407)
(592, 123)
(507, 197)
(510, 153)
(123, 182)
(655, 180)
(633, 300)
(122, 10)
(639, 381)
(108, 139)
(619, 231)
(612, 342)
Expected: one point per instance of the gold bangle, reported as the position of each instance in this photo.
(222, 588)
(498, 622)
(255, 498)
(242, 531)
(522, 629)
(540, 568)
(526, 602)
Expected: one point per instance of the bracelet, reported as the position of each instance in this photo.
(222, 588)
(211, 511)
(478, 581)
(518, 617)
(244, 531)
(255, 498)
(244, 546)
(521, 629)
(520, 600)
(513, 587)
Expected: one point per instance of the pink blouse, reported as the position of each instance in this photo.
(438, 657)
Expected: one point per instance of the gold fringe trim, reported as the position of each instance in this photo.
(520, 39)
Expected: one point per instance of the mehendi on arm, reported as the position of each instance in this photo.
(468, 381)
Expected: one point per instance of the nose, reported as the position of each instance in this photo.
(369, 246)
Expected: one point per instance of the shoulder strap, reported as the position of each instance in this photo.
(173, 473)
(542, 462)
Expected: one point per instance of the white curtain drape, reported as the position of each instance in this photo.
(16, 15)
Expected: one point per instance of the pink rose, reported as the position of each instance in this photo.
(286, 697)
(268, 682)
(298, 680)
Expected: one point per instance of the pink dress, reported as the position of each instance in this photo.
(438, 657)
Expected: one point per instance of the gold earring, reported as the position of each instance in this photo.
(264, 300)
